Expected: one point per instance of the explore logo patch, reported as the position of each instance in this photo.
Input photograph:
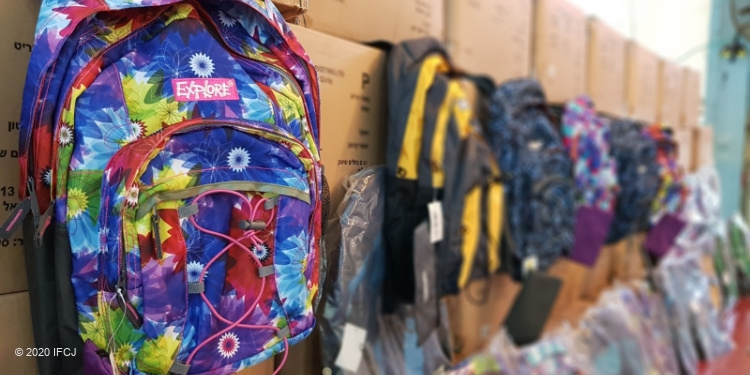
(204, 89)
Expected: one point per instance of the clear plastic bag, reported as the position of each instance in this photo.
(655, 329)
(354, 280)
(499, 357)
(686, 288)
(610, 338)
(552, 355)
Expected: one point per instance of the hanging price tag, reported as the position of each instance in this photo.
(530, 264)
(435, 210)
(352, 345)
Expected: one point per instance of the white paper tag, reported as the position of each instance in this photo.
(435, 210)
(535, 145)
(530, 264)
(352, 345)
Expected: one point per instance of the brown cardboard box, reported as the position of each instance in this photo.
(560, 50)
(573, 275)
(373, 20)
(304, 358)
(352, 98)
(17, 21)
(15, 325)
(606, 68)
(599, 277)
(691, 104)
(633, 257)
(507, 23)
(642, 86)
(709, 267)
(670, 90)
(703, 152)
(263, 368)
(473, 324)
(291, 9)
(685, 147)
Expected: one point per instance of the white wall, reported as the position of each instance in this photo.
(670, 28)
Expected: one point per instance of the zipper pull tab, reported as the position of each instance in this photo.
(130, 312)
(157, 234)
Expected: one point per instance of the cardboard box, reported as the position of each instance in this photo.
(599, 277)
(17, 22)
(15, 323)
(642, 86)
(560, 50)
(685, 148)
(291, 9)
(691, 104)
(606, 68)
(305, 358)
(377, 20)
(703, 150)
(670, 91)
(469, 23)
(474, 324)
(263, 368)
(630, 262)
(353, 108)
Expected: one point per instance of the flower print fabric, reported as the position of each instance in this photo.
(586, 137)
(198, 251)
(672, 192)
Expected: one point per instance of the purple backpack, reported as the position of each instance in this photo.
(586, 137)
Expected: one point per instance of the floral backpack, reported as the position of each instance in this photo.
(586, 136)
(173, 146)
(671, 195)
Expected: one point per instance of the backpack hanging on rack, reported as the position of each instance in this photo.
(439, 171)
(586, 137)
(173, 148)
(671, 196)
(525, 141)
(638, 175)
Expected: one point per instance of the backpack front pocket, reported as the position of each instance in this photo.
(210, 228)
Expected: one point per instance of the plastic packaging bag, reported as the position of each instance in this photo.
(610, 338)
(355, 277)
(550, 356)
(655, 329)
(500, 357)
(686, 288)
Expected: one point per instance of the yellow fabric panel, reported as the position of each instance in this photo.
(495, 209)
(441, 131)
(471, 226)
(411, 147)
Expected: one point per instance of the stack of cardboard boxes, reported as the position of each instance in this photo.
(17, 19)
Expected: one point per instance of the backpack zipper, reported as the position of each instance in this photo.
(69, 90)
(298, 90)
(155, 219)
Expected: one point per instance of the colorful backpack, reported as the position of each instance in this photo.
(671, 196)
(586, 137)
(436, 158)
(540, 193)
(638, 175)
(174, 147)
